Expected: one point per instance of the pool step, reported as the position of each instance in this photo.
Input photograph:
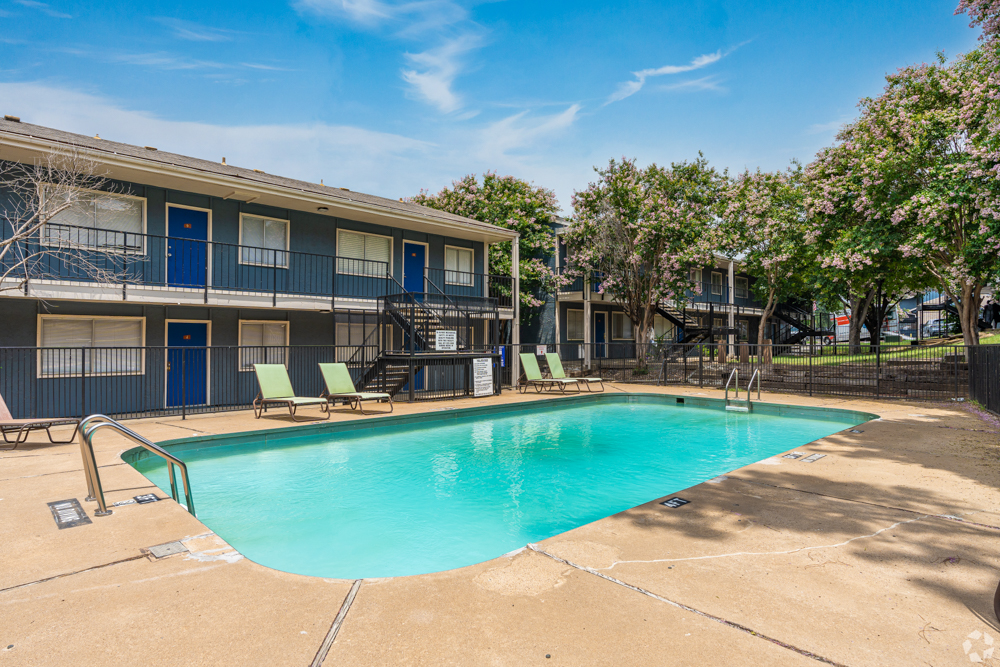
(737, 405)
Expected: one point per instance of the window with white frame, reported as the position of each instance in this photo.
(263, 343)
(91, 345)
(716, 284)
(363, 254)
(663, 329)
(742, 288)
(263, 241)
(94, 219)
(574, 325)
(694, 275)
(621, 326)
(458, 266)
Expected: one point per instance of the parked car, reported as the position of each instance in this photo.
(940, 328)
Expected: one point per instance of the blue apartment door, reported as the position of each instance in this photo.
(187, 247)
(187, 363)
(414, 261)
(600, 335)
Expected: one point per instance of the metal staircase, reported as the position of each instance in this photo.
(799, 328)
(693, 331)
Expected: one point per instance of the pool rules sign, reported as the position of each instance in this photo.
(482, 377)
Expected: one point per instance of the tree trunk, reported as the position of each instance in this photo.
(765, 316)
(968, 313)
(859, 312)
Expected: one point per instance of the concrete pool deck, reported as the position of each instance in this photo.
(883, 552)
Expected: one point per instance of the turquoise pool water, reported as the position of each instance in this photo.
(449, 491)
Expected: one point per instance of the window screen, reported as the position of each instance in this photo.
(264, 241)
(363, 254)
(94, 219)
(574, 325)
(263, 343)
(621, 326)
(118, 342)
(458, 266)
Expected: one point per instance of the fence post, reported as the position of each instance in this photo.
(183, 383)
(83, 382)
(878, 368)
(701, 368)
(956, 373)
(810, 375)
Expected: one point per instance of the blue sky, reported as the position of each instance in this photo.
(391, 97)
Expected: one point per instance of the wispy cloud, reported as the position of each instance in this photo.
(44, 8)
(195, 32)
(268, 68)
(435, 71)
(165, 61)
(520, 131)
(629, 88)
(407, 18)
(442, 28)
(704, 83)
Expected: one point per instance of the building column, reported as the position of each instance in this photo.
(558, 272)
(732, 304)
(515, 266)
(486, 268)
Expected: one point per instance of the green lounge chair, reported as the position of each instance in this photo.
(533, 376)
(556, 371)
(340, 386)
(276, 389)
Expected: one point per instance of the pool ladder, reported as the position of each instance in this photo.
(736, 405)
(86, 430)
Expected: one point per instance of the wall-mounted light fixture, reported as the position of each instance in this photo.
(322, 209)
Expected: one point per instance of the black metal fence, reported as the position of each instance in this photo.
(127, 382)
(886, 371)
(984, 376)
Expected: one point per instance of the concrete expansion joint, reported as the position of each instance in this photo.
(324, 648)
(706, 615)
(70, 574)
(679, 605)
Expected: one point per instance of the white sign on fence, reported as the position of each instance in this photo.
(540, 350)
(482, 377)
(446, 340)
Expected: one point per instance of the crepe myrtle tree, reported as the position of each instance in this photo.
(859, 267)
(32, 198)
(511, 203)
(764, 223)
(641, 229)
(923, 175)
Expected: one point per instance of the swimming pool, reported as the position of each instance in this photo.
(423, 493)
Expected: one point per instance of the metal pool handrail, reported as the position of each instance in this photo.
(87, 430)
(756, 375)
(736, 374)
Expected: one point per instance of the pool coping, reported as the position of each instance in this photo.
(268, 436)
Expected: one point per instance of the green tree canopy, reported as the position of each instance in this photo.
(641, 229)
(515, 204)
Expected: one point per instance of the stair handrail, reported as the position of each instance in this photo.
(89, 426)
(756, 375)
(736, 374)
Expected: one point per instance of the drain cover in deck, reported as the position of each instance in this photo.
(68, 513)
(168, 549)
(813, 458)
(146, 498)
(792, 455)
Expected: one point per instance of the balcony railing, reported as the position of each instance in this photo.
(467, 284)
(88, 255)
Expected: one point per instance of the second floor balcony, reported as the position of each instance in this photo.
(62, 261)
